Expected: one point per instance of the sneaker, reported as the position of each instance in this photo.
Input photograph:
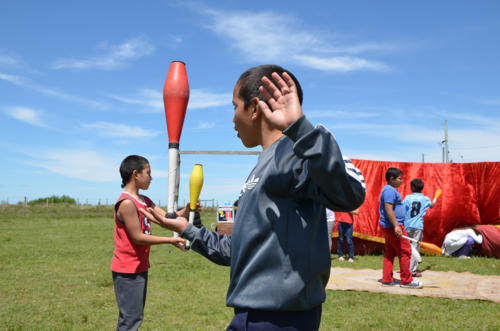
(417, 274)
(350, 260)
(464, 257)
(341, 258)
(393, 283)
(413, 284)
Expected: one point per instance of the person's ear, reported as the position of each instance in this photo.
(254, 108)
(135, 173)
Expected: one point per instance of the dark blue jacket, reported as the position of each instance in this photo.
(278, 251)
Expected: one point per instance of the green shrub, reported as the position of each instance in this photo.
(54, 199)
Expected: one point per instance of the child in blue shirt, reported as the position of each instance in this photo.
(416, 205)
(392, 215)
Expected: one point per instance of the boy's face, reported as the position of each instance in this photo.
(243, 120)
(143, 178)
(396, 182)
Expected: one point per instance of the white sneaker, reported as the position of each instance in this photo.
(350, 260)
(413, 284)
(341, 258)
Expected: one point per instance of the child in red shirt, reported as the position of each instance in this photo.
(345, 222)
(133, 238)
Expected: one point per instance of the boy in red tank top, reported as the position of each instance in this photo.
(133, 239)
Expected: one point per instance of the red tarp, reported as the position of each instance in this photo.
(471, 195)
(491, 240)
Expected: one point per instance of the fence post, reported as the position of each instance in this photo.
(24, 206)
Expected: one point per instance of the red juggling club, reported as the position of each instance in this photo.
(175, 100)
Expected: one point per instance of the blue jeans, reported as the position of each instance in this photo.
(345, 229)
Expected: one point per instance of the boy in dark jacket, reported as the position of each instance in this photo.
(278, 250)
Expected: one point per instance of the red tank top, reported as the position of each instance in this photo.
(128, 257)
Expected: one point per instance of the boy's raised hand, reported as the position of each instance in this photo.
(177, 224)
(283, 99)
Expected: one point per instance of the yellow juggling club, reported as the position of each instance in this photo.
(437, 195)
(195, 185)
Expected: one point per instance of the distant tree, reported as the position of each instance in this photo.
(54, 199)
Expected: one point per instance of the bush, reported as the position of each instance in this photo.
(54, 199)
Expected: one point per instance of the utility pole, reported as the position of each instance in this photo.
(444, 143)
(446, 140)
(423, 161)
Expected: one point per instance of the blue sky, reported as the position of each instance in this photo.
(81, 85)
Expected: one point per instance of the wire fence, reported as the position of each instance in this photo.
(206, 203)
(79, 209)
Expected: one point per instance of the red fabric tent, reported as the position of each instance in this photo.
(471, 196)
(491, 240)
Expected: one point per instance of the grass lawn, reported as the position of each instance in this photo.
(55, 276)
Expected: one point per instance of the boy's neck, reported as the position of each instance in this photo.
(271, 138)
(132, 190)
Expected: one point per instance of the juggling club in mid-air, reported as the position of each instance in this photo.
(175, 100)
(195, 185)
(437, 194)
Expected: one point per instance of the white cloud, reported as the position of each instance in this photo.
(265, 36)
(271, 37)
(8, 60)
(27, 115)
(340, 63)
(206, 125)
(115, 56)
(16, 80)
(118, 130)
(398, 132)
(152, 100)
(23, 82)
(82, 164)
(339, 114)
(200, 98)
(491, 102)
(465, 144)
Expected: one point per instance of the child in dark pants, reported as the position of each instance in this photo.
(133, 238)
(345, 227)
(392, 216)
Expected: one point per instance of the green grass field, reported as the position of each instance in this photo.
(55, 276)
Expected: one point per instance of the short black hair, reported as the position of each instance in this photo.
(251, 79)
(417, 185)
(392, 173)
(129, 164)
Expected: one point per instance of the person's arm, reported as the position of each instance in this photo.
(184, 212)
(355, 211)
(341, 185)
(214, 246)
(389, 213)
(127, 212)
(319, 169)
